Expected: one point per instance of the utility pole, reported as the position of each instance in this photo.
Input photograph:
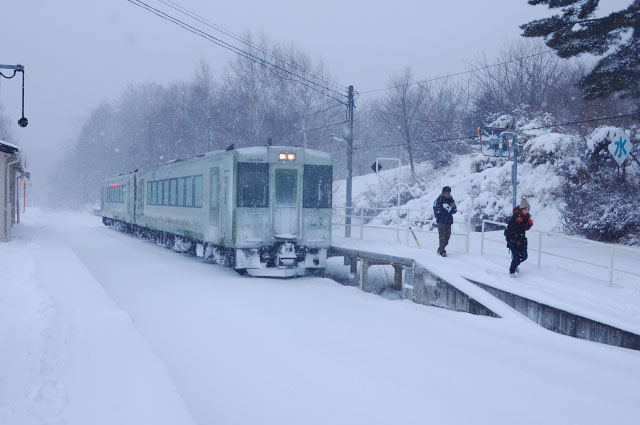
(350, 107)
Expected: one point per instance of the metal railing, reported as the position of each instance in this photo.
(612, 249)
(396, 220)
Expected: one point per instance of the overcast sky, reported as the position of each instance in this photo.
(78, 53)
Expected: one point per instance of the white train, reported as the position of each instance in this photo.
(262, 210)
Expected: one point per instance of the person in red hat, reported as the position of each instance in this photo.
(518, 224)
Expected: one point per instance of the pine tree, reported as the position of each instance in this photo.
(614, 37)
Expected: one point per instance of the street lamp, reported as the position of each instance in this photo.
(22, 122)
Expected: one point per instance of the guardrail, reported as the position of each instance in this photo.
(399, 219)
(612, 249)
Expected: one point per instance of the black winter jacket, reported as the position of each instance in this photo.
(443, 209)
(516, 227)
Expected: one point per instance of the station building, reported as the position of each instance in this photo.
(10, 169)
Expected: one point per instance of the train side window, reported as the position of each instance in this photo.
(148, 193)
(197, 191)
(188, 190)
(159, 192)
(253, 185)
(173, 191)
(181, 192)
(154, 193)
(165, 192)
(317, 186)
(215, 176)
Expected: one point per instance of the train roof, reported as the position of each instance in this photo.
(313, 154)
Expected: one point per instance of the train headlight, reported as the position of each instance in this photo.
(283, 156)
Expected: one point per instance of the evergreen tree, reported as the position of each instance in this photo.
(614, 37)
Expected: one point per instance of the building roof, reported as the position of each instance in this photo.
(8, 147)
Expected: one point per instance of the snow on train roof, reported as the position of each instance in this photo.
(311, 155)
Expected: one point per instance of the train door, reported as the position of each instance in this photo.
(225, 208)
(214, 204)
(129, 199)
(285, 210)
(139, 198)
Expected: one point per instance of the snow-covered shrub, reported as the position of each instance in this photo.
(600, 201)
(544, 148)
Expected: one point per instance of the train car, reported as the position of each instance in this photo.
(262, 210)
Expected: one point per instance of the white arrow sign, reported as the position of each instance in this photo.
(619, 149)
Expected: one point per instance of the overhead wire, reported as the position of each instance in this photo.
(297, 78)
(457, 74)
(323, 110)
(243, 40)
(327, 126)
(475, 136)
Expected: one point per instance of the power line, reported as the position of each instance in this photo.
(457, 74)
(203, 20)
(238, 51)
(528, 129)
(323, 110)
(327, 126)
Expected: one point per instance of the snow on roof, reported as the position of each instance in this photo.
(8, 147)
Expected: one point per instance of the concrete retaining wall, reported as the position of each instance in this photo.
(423, 287)
(565, 323)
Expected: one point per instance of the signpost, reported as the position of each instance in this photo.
(492, 144)
(498, 142)
(619, 149)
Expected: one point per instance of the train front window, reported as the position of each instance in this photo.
(253, 185)
(317, 186)
(286, 188)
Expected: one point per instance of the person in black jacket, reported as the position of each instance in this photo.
(518, 224)
(443, 209)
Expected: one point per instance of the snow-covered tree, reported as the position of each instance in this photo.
(5, 126)
(614, 37)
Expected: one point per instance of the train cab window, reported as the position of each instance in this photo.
(197, 191)
(286, 187)
(253, 185)
(317, 186)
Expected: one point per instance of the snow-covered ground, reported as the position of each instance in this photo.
(566, 283)
(100, 327)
